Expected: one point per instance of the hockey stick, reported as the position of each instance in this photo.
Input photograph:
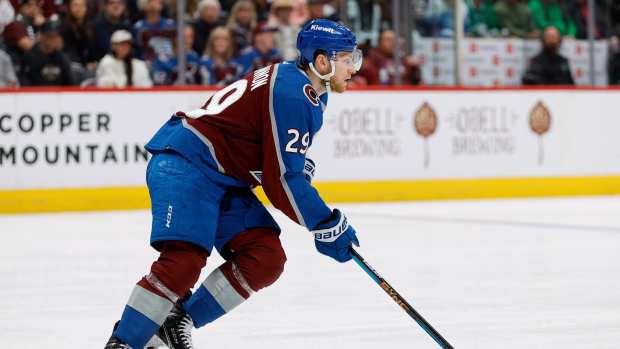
(400, 300)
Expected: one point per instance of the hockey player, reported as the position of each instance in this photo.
(253, 132)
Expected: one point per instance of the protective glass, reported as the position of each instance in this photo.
(355, 61)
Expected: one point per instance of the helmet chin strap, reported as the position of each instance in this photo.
(326, 78)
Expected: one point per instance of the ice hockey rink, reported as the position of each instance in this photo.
(535, 273)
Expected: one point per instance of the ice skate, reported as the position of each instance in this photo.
(115, 343)
(176, 332)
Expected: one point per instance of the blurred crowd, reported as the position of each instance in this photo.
(518, 18)
(120, 43)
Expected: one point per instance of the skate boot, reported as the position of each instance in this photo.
(115, 343)
(176, 332)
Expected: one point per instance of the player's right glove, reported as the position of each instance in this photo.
(309, 169)
(334, 237)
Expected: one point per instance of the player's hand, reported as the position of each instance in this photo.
(309, 167)
(335, 236)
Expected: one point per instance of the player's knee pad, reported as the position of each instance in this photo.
(259, 257)
(176, 270)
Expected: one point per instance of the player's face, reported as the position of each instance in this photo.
(345, 68)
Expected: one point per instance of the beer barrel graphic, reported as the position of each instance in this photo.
(540, 123)
(425, 124)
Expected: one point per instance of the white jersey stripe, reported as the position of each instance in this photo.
(276, 141)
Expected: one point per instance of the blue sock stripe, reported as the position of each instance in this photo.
(135, 328)
(153, 306)
(202, 307)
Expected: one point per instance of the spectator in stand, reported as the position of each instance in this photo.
(613, 61)
(132, 12)
(227, 7)
(78, 34)
(7, 14)
(50, 9)
(217, 65)
(613, 11)
(111, 19)
(170, 9)
(435, 18)
(262, 53)
(46, 64)
(549, 67)
(8, 78)
(515, 19)
(30, 13)
(550, 13)
(286, 35)
(17, 44)
(578, 13)
(320, 9)
(481, 20)
(262, 9)
(118, 68)
(209, 18)
(241, 22)
(379, 67)
(154, 34)
(165, 69)
(363, 15)
(300, 12)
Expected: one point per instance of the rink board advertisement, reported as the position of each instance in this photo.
(84, 150)
(59, 140)
(502, 62)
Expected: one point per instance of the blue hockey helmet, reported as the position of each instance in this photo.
(329, 37)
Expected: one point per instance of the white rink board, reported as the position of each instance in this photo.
(502, 62)
(366, 135)
(121, 120)
(480, 134)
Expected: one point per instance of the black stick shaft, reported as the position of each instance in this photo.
(400, 300)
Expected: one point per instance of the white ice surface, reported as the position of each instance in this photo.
(486, 274)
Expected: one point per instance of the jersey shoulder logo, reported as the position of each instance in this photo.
(311, 94)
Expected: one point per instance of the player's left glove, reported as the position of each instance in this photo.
(334, 237)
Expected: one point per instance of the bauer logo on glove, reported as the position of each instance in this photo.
(332, 233)
(335, 236)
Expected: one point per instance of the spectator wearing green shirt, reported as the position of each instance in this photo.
(481, 20)
(515, 19)
(549, 13)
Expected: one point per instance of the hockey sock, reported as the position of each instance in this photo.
(172, 275)
(216, 296)
(257, 262)
(144, 313)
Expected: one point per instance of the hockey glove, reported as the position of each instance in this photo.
(334, 237)
(309, 167)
